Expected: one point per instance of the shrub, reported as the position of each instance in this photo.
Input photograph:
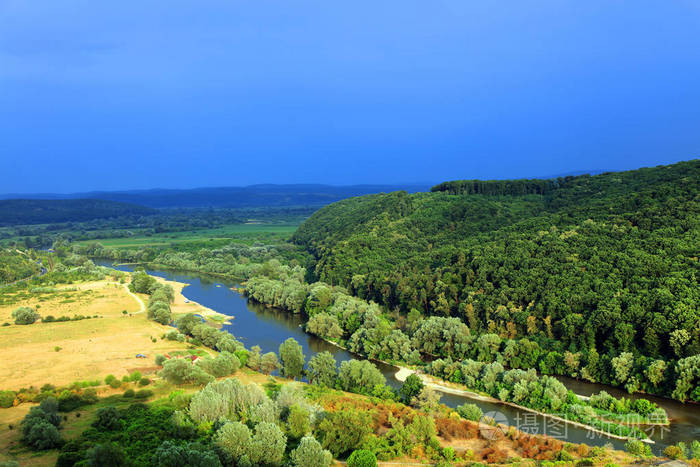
(410, 388)
(25, 315)
(179, 371)
(234, 439)
(470, 412)
(170, 454)
(143, 394)
(676, 451)
(267, 445)
(160, 359)
(310, 453)
(108, 419)
(360, 376)
(342, 432)
(128, 393)
(7, 399)
(42, 435)
(638, 448)
(40, 426)
(144, 381)
(362, 458)
(106, 454)
(298, 423)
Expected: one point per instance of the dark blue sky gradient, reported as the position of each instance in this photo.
(142, 94)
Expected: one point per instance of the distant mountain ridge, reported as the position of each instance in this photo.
(231, 197)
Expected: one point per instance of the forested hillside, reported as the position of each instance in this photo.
(44, 211)
(16, 265)
(587, 265)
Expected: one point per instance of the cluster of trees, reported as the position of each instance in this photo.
(503, 187)
(234, 260)
(15, 266)
(232, 423)
(44, 211)
(161, 296)
(549, 395)
(40, 426)
(203, 334)
(599, 266)
(361, 327)
(336, 316)
(225, 423)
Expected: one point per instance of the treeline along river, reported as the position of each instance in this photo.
(256, 324)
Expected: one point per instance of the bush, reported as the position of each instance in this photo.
(170, 454)
(343, 431)
(144, 381)
(470, 412)
(143, 394)
(410, 388)
(638, 448)
(309, 453)
(42, 435)
(362, 458)
(676, 451)
(128, 393)
(107, 454)
(25, 315)
(40, 426)
(108, 419)
(7, 399)
(180, 371)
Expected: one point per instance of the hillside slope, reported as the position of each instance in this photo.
(606, 262)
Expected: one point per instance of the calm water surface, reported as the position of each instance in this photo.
(255, 324)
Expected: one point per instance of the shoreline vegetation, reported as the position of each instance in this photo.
(632, 432)
(469, 394)
(241, 288)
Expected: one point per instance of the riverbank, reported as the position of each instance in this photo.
(404, 373)
(183, 305)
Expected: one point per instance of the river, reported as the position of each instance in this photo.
(256, 324)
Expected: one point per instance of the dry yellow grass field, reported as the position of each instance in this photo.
(89, 349)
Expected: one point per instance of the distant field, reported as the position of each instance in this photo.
(238, 232)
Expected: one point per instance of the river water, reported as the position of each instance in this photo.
(256, 324)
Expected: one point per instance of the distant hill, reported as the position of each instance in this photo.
(232, 197)
(44, 211)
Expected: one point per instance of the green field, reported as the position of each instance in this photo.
(244, 233)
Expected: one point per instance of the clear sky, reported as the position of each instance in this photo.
(141, 94)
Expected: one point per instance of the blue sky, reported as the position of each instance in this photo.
(141, 94)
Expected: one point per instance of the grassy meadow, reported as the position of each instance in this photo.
(63, 352)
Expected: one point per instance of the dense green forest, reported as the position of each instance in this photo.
(42, 211)
(594, 266)
(16, 265)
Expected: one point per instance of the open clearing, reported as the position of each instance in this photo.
(240, 232)
(90, 348)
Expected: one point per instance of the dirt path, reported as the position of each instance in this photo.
(138, 299)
